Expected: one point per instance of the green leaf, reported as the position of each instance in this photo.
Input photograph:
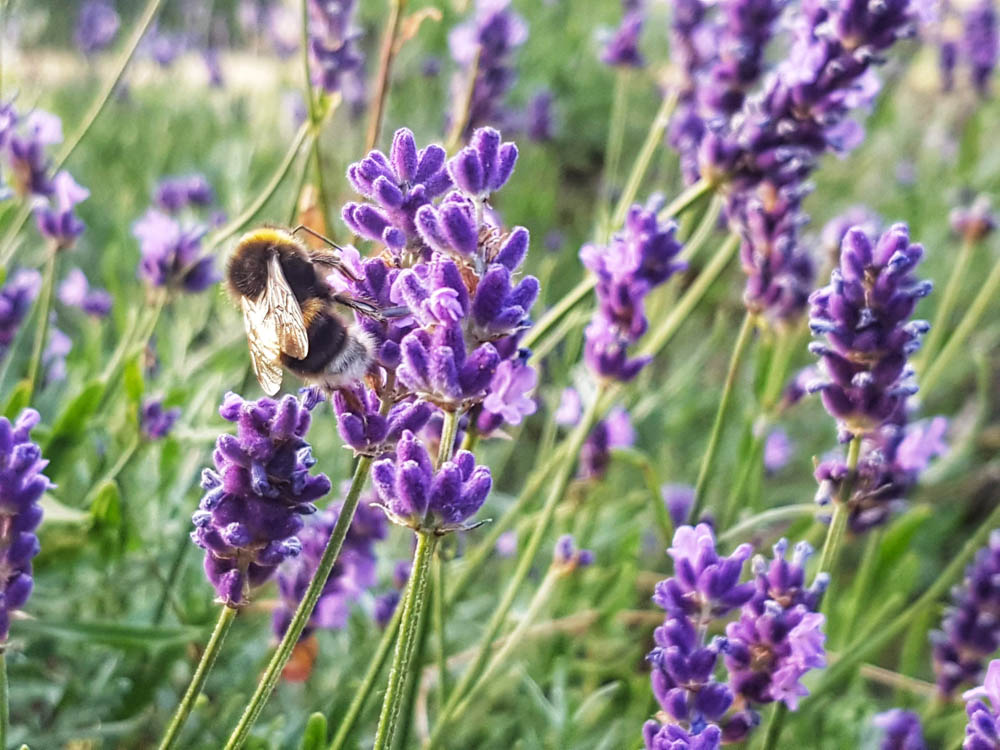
(115, 634)
(74, 421)
(18, 400)
(106, 508)
(314, 736)
(898, 538)
(56, 512)
(132, 376)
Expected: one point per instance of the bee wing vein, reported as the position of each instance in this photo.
(284, 311)
(262, 339)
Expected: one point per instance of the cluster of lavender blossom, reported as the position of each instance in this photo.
(864, 317)
(758, 137)
(976, 47)
(775, 640)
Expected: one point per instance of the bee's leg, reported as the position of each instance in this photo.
(365, 308)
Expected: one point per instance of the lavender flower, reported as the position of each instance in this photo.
(385, 604)
(778, 451)
(175, 193)
(75, 291)
(975, 222)
(672, 737)
(489, 40)
(678, 499)
(97, 24)
(351, 576)
(567, 557)
(155, 421)
(416, 495)
(21, 487)
(506, 545)
(57, 348)
(171, 254)
(983, 729)
(57, 221)
(890, 464)
(508, 400)
(16, 297)
(863, 315)
(779, 636)
(614, 431)
(332, 43)
(622, 48)
(981, 43)
(396, 186)
(368, 432)
(902, 730)
(539, 121)
(252, 511)
(638, 259)
(970, 632)
(27, 150)
(570, 407)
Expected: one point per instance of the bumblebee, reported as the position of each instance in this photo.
(290, 313)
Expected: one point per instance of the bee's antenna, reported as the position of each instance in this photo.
(317, 235)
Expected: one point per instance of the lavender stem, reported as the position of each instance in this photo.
(4, 699)
(939, 326)
(42, 323)
(708, 460)
(838, 524)
(612, 154)
(387, 54)
(212, 648)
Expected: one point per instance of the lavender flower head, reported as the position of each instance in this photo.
(172, 255)
(778, 450)
(678, 499)
(363, 427)
(26, 142)
(983, 730)
(333, 47)
(488, 39)
(96, 26)
(621, 49)
(973, 223)
(16, 297)
(255, 500)
(614, 431)
(416, 495)
(639, 258)
(21, 487)
(901, 730)
(970, 631)
(155, 421)
(779, 635)
(351, 576)
(176, 193)
(56, 221)
(75, 291)
(864, 316)
(567, 557)
(981, 43)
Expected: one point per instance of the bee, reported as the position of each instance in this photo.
(290, 313)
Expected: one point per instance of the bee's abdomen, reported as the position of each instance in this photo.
(327, 337)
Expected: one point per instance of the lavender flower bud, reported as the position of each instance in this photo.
(368, 432)
(176, 193)
(622, 48)
(778, 450)
(57, 221)
(983, 730)
(97, 24)
(155, 421)
(981, 43)
(673, 737)
(75, 291)
(251, 514)
(975, 222)
(678, 499)
(416, 495)
(614, 431)
(171, 256)
(333, 48)
(22, 485)
(902, 730)
(508, 400)
(16, 297)
(567, 557)
(863, 315)
(27, 148)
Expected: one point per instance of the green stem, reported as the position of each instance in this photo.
(613, 151)
(706, 227)
(862, 582)
(449, 429)
(654, 137)
(386, 55)
(368, 681)
(751, 464)
(416, 595)
(986, 295)
(208, 657)
(686, 199)
(183, 544)
(767, 518)
(461, 116)
(437, 591)
(708, 460)
(115, 470)
(42, 323)
(879, 635)
(4, 698)
(774, 726)
(305, 609)
(502, 657)
(838, 524)
(306, 135)
(558, 488)
(948, 299)
(555, 313)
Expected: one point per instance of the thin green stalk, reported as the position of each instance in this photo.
(416, 595)
(654, 137)
(449, 430)
(148, 14)
(613, 151)
(558, 488)
(306, 135)
(942, 315)
(774, 726)
(116, 469)
(876, 637)
(42, 323)
(183, 544)
(437, 592)
(368, 681)
(767, 518)
(305, 609)
(838, 524)
(686, 199)
(706, 227)
(986, 295)
(226, 617)
(752, 463)
(386, 55)
(502, 657)
(862, 583)
(743, 339)
(555, 313)
(4, 698)
(461, 116)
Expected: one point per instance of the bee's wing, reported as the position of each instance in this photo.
(263, 341)
(283, 309)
